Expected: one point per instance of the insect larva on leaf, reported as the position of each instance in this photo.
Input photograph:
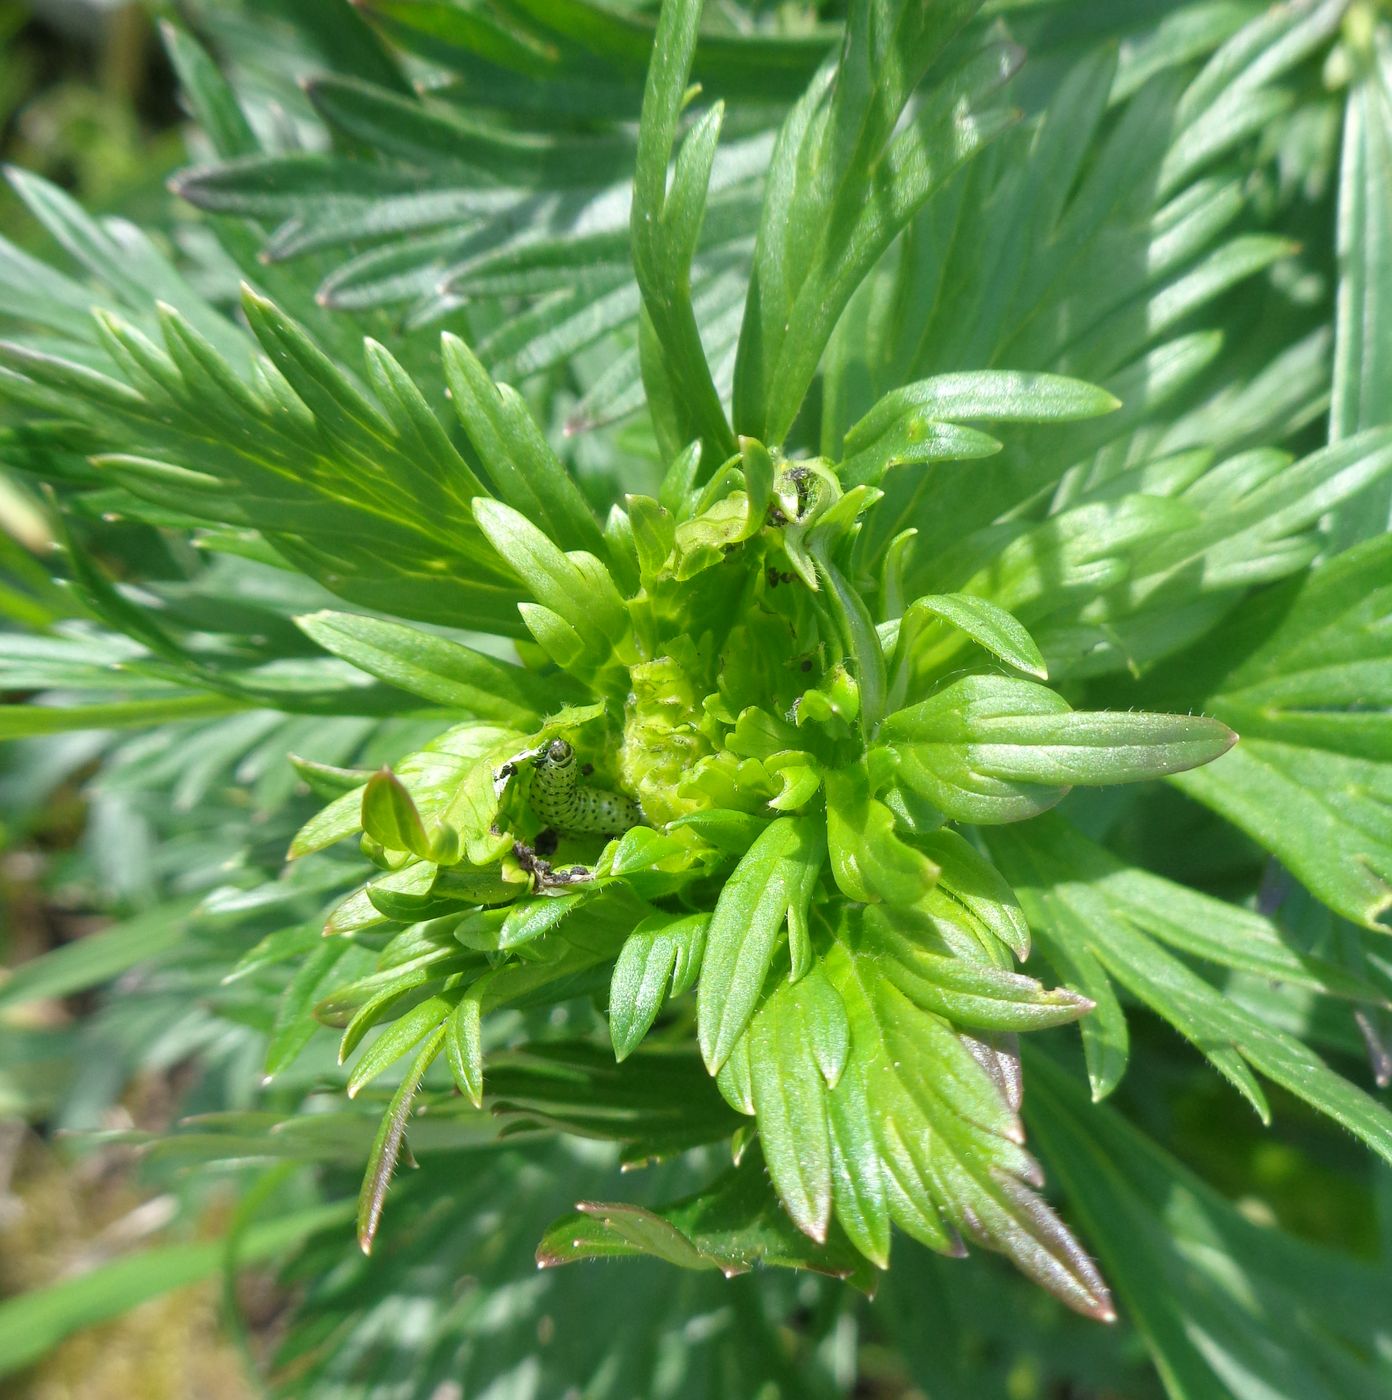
(567, 806)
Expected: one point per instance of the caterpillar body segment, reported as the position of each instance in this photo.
(567, 806)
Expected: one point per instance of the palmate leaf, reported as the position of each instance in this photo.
(540, 211)
(819, 234)
(1036, 258)
(782, 1051)
(556, 40)
(1256, 517)
(382, 516)
(305, 457)
(122, 260)
(487, 1336)
(1226, 1306)
(1303, 671)
(1082, 898)
(872, 1110)
(1364, 311)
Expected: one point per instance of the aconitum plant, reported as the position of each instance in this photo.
(849, 543)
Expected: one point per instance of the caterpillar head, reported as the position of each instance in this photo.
(558, 752)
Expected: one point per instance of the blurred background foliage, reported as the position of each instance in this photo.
(87, 100)
(124, 1163)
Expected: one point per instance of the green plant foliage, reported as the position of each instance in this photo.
(624, 594)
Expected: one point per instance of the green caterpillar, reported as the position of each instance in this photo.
(559, 800)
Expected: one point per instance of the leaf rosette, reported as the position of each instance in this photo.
(796, 760)
(758, 776)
